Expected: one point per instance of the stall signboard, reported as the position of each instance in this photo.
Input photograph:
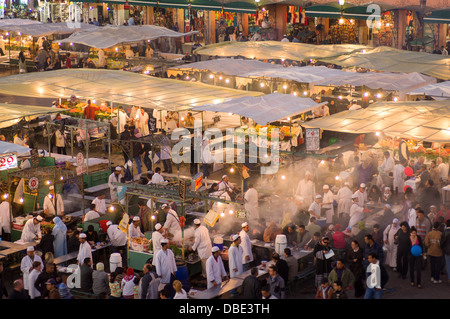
(152, 124)
(197, 182)
(8, 160)
(312, 139)
(81, 166)
(182, 189)
(33, 183)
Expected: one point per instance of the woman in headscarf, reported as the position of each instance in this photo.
(128, 284)
(387, 197)
(60, 240)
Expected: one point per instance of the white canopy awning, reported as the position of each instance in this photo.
(110, 36)
(118, 87)
(46, 29)
(17, 22)
(264, 109)
(11, 114)
(6, 147)
(421, 120)
(435, 90)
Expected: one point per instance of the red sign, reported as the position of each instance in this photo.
(8, 161)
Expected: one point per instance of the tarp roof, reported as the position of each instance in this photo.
(350, 11)
(441, 89)
(319, 75)
(11, 114)
(119, 87)
(421, 120)
(262, 50)
(264, 109)
(17, 21)
(347, 55)
(110, 36)
(394, 60)
(46, 29)
(6, 147)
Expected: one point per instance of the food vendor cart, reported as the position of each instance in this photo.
(33, 186)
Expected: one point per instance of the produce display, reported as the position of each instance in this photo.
(77, 109)
(140, 244)
(416, 149)
(285, 133)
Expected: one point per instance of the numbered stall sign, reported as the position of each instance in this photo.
(8, 161)
(312, 139)
(33, 183)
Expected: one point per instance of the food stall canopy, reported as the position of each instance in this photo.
(120, 87)
(6, 147)
(18, 22)
(264, 109)
(11, 114)
(110, 36)
(420, 120)
(395, 60)
(438, 16)
(262, 50)
(388, 81)
(228, 6)
(435, 90)
(46, 29)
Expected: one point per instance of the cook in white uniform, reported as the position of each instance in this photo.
(165, 262)
(53, 202)
(344, 198)
(247, 256)
(235, 257)
(100, 204)
(215, 270)
(134, 230)
(172, 223)
(26, 265)
(362, 194)
(356, 212)
(114, 178)
(306, 189)
(314, 209)
(386, 168)
(251, 203)
(32, 229)
(157, 236)
(327, 203)
(202, 243)
(84, 251)
(5, 220)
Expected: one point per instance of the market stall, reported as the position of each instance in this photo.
(436, 91)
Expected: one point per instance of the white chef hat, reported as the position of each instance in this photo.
(354, 196)
(387, 188)
(118, 168)
(109, 223)
(164, 241)
(82, 235)
(224, 176)
(158, 226)
(136, 218)
(164, 206)
(215, 248)
(39, 218)
(244, 224)
(362, 185)
(326, 187)
(236, 237)
(30, 248)
(318, 196)
(197, 221)
(347, 184)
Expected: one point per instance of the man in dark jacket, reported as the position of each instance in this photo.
(86, 275)
(41, 280)
(282, 265)
(145, 280)
(323, 261)
(372, 247)
(251, 286)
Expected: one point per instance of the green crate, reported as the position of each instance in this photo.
(96, 178)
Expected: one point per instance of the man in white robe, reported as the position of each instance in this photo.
(5, 220)
(172, 223)
(142, 122)
(84, 251)
(327, 204)
(26, 265)
(157, 178)
(306, 189)
(215, 270)
(235, 257)
(314, 209)
(399, 177)
(251, 203)
(202, 243)
(388, 238)
(247, 256)
(32, 229)
(165, 262)
(122, 120)
(386, 168)
(100, 204)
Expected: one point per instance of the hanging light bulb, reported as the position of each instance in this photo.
(211, 76)
(227, 81)
(262, 85)
(285, 87)
(232, 170)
